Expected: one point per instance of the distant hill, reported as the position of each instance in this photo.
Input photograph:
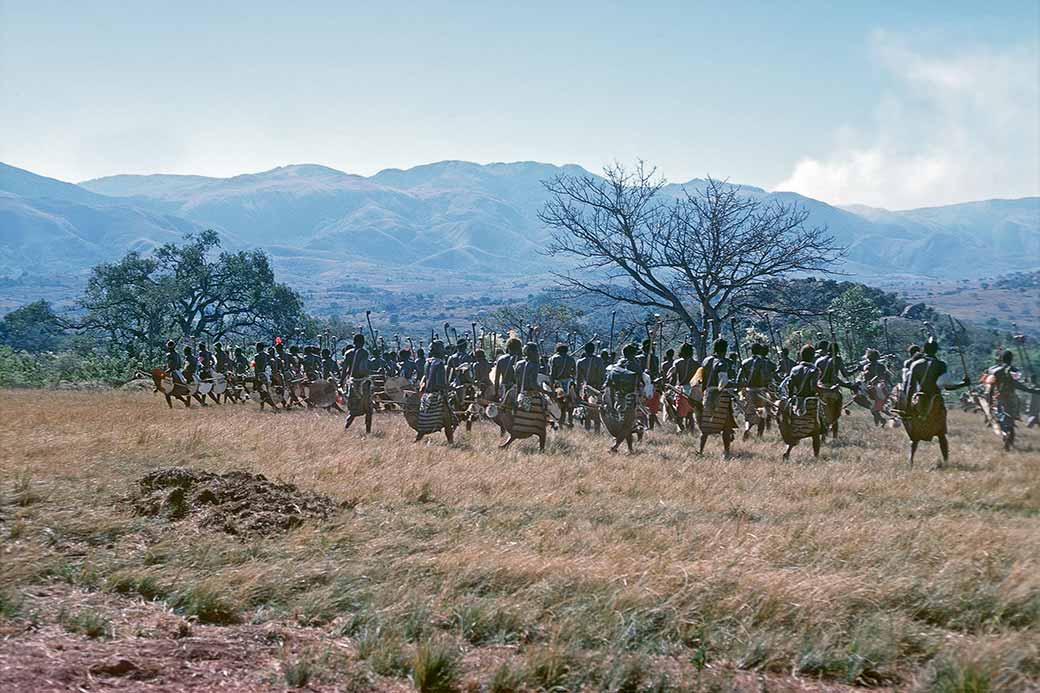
(48, 227)
(467, 219)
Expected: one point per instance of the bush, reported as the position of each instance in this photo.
(47, 369)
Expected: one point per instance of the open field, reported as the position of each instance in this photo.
(460, 567)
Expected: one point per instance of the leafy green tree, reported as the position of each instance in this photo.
(189, 291)
(856, 319)
(33, 327)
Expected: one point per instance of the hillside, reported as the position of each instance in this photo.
(431, 225)
(460, 215)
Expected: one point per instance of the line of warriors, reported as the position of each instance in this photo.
(526, 392)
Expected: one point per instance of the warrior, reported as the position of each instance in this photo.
(237, 369)
(754, 378)
(1002, 383)
(679, 379)
(651, 366)
(830, 368)
(329, 367)
(876, 384)
(429, 410)
(407, 367)
(459, 375)
(619, 410)
(262, 367)
(241, 363)
(295, 375)
(191, 373)
(785, 364)
(528, 416)
(481, 373)
(279, 372)
(651, 363)
(505, 376)
(562, 369)
(666, 362)
(175, 364)
(311, 363)
(458, 365)
(223, 359)
(799, 404)
(716, 415)
(207, 366)
(913, 353)
(590, 370)
(923, 409)
(359, 386)
(175, 370)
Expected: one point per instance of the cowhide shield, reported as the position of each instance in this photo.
(321, 393)
(220, 384)
(394, 389)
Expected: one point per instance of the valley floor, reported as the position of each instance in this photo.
(460, 567)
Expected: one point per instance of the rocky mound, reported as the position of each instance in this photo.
(234, 502)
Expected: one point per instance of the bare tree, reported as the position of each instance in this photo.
(704, 257)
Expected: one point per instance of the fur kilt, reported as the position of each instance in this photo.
(831, 401)
(926, 418)
(680, 405)
(359, 396)
(755, 404)
(620, 420)
(529, 417)
(716, 414)
(799, 419)
(1001, 421)
(427, 413)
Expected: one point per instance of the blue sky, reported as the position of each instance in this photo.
(890, 104)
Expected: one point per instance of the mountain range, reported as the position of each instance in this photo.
(452, 217)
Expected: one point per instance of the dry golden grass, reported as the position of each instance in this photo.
(576, 569)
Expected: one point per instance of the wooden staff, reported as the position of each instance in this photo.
(1020, 342)
(613, 316)
(960, 347)
(447, 337)
(368, 317)
(772, 337)
(736, 337)
(474, 328)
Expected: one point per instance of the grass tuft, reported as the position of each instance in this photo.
(435, 667)
(87, 622)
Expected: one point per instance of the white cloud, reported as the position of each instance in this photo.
(953, 127)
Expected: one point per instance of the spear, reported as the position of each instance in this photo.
(960, 347)
(613, 316)
(447, 337)
(474, 328)
(736, 337)
(772, 337)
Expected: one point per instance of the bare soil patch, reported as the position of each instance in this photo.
(235, 502)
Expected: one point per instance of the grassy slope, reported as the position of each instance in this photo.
(574, 568)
